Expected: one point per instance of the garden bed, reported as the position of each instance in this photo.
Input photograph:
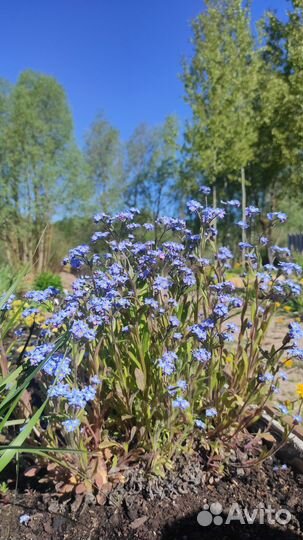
(162, 509)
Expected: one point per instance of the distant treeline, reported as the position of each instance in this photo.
(244, 138)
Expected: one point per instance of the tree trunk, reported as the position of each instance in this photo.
(243, 189)
(215, 202)
(214, 196)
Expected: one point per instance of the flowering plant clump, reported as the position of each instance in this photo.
(160, 348)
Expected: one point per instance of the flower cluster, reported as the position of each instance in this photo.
(158, 341)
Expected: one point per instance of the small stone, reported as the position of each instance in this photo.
(54, 507)
(115, 519)
(90, 498)
(47, 526)
(138, 522)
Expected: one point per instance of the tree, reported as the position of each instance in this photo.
(152, 166)
(221, 83)
(39, 165)
(104, 156)
(280, 138)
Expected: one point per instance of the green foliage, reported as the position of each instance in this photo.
(104, 156)
(39, 165)
(152, 166)
(221, 83)
(13, 382)
(48, 279)
(278, 157)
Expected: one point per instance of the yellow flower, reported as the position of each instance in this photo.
(289, 363)
(287, 309)
(277, 304)
(300, 390)
(17, 303)
(20, 349)
(229, 359)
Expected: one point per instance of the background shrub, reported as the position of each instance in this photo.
(48, 279)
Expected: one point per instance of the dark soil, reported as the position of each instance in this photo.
(161, 509)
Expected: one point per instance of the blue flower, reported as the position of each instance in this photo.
(194, 206)
(24, 519)
(245, 245)
(99, 236)
(161, 284)
(211, 412)
(42, 296)
(295, 331)
(8, 304)
(81, 330)
(242, 224)
(267, 377)
(199, 331)
(39, 354)
(202, 355)
(279, 216)
(167, 363)
(59, 390)
(200, 424)
(79, 398)
(29, 312)
(173, 247)
(148, 226)
(277, 250)
(295, 353)
(289, 268)
(181, 385)
(125, 329)
(210, 214)
(79, 251)
(58, 366)
(252, 211)
(152, 303)
(95, 379)
(286, 289)
(174, 321)
(233, 203)
(205, 190)
(224, 254)
(172, 224)
(71, 424)
(89, 393)
(283, 375)
(221, 310)
(181, 403)
(188, 277)
(263, 240)
(224, 287)
(270, 267)
(102, 217)
(283, 409)
(125, 217)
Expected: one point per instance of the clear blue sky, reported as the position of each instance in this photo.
(120, 56)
